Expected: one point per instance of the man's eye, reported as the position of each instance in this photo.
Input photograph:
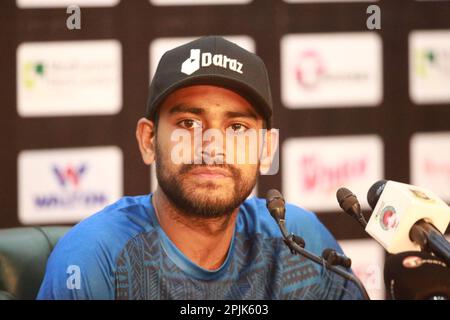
(190, 124)
(238, 128)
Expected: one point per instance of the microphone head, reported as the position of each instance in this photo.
(416, 275)
(375, 192)
(348, 202)
(342, 195)
(273, 194)
(275, 204)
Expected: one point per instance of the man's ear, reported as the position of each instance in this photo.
(269, 156)
(145, 136)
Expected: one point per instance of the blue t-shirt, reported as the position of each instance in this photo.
(122, 252)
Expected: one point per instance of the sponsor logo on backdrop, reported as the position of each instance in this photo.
(159, 46)
(196, 2)
(429, 61)
(65, 3)
(367, 264)
(70, 193)
(67, 185)
(430, 162)
(32, 72)
(318, 174)
(69, 78)
(311, 72)
(331, 70)
(310, 69)
(429, 66)
(314, 168)
(69, 175)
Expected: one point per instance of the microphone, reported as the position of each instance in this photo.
(334, 258)
(408, 218)
(350, 204)
(276, 205)
(416, 275)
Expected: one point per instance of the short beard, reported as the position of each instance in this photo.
(200, 206)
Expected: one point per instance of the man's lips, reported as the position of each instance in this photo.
(210, 173)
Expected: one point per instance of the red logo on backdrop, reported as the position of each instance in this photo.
(315, 175)
(434, 168)
(310, 69)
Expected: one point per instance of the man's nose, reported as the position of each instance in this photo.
(212, 149)
(214, 157)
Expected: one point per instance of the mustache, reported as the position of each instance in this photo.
(186, 168)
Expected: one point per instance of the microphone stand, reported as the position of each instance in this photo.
(295, 248)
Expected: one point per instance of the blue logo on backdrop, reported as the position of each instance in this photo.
(69, 179)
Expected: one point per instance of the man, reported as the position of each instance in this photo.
(196, 237)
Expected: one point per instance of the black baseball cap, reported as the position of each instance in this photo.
(212, 60)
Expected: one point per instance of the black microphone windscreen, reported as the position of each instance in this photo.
(416, 275)
(348, 202)
(273, 194)
(342, 194)
(275, 204)
(374, 192)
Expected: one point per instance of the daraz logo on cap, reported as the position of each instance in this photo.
(199, 60)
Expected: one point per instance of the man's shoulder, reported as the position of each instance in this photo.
(111, 227)
(88, 253)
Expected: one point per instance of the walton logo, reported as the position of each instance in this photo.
(199, 60)
(69, 175)
(69, 179)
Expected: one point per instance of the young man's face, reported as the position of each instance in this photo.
(207, 189)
